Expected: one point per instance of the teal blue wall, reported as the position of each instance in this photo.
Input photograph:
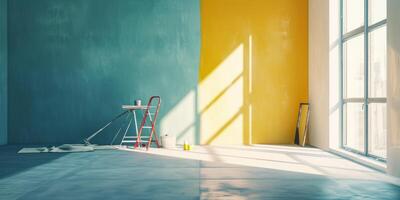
(73, 63)
(3, 72)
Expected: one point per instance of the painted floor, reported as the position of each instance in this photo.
(224, 172)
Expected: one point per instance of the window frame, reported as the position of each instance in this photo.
(365, 29)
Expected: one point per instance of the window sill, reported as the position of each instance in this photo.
(366, 161)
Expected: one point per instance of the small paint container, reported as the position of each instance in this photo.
(185, 146)
(138, 102)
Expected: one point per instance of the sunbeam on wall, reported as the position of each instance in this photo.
(180, 121)
(252, 74)
(221, 101)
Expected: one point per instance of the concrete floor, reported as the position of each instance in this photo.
(228, 172)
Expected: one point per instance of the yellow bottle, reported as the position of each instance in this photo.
(185, 146)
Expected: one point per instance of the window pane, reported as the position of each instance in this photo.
(377, 11)
(377, 63)
(353, 14)
(354, 126)
(377, 129)
(354, 67)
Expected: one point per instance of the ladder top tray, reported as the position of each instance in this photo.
(133, 107)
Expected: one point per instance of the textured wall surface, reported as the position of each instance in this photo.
(3, 72)
(72, 64)
(254, 63)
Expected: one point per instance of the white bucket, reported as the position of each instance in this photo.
(168, 141)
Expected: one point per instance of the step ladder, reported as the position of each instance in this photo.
(139, 139)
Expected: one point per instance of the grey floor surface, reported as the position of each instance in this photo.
(115, 174)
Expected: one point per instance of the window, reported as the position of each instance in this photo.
(363, 77)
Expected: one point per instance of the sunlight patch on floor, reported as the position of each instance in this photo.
(289, 158)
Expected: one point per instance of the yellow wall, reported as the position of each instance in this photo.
(253, 70)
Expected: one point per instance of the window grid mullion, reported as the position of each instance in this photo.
(360, 30)
(366, 76)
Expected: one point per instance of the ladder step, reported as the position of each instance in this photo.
(128, 141)
(130, 137)
(147, 127)
(132, 141)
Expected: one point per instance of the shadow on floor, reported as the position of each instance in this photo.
(13, 163)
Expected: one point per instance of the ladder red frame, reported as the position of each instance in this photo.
(153, 124)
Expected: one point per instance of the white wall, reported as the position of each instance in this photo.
(324, 73)
(318, 56)
(393, 99)
(334, 75)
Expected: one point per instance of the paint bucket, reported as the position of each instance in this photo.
(168, 141)
(138, 102)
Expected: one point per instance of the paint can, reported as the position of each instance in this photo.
(168, 141)
(138, 102)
